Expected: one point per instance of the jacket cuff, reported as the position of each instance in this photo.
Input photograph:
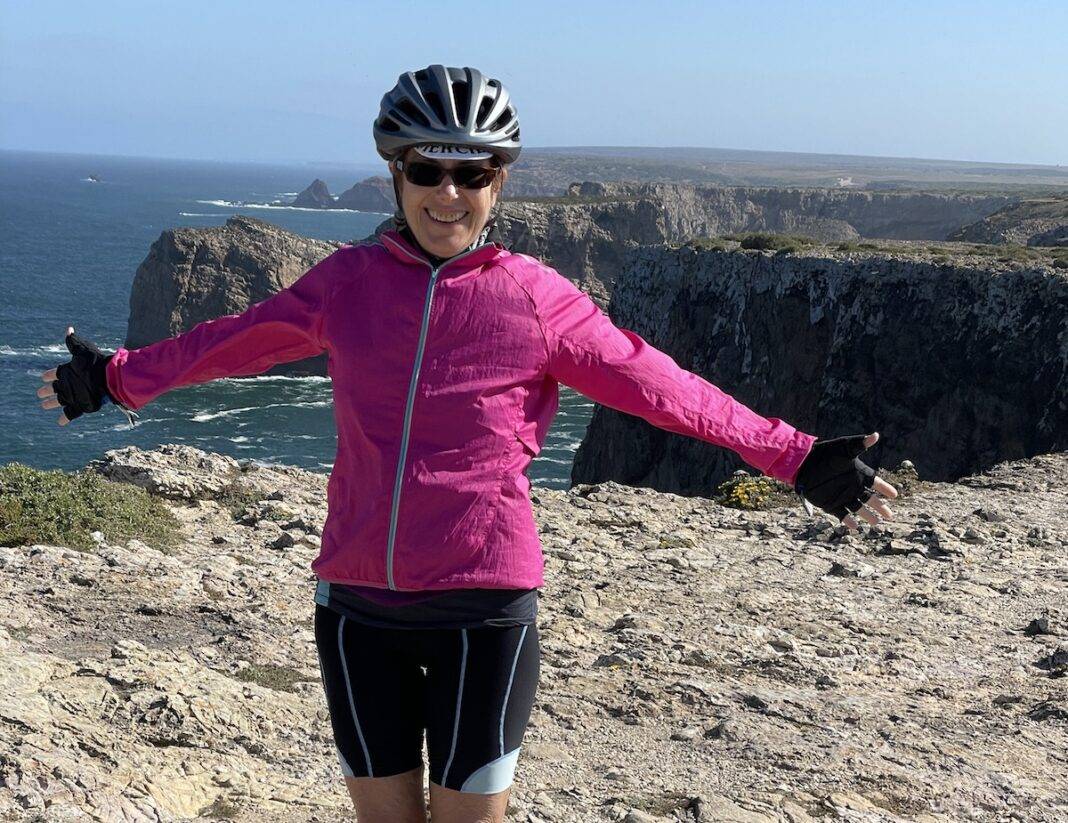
(788, 463)
(113, 378)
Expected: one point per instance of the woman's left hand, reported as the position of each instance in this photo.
(833, 478)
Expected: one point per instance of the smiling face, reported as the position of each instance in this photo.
(446, 219)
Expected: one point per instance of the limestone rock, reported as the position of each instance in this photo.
(196, 274)
(1037, 221)
(173, 470)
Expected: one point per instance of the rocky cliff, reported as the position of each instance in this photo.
(586, 233)
(824, 214)
(191, 275)
(699, 663)
(1032, 222)
(959, 362)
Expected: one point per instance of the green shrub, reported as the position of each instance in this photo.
(236, 498)
(707, 243)
(749, 493)
(782, 243)
(61, 508)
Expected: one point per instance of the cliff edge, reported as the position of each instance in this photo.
(957, 357)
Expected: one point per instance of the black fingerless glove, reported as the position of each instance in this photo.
(81, 385)
(834, 478)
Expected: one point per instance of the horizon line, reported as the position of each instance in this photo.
(535, 149)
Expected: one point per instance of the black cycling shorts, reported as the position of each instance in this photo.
(472, 690)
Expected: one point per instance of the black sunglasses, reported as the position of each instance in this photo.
(419, 173)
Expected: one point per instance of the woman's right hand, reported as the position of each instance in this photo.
(79, 386)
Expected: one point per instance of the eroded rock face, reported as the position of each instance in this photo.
(698, 662)
(586, 234)
(191, 275)
(823, 214)
(959, 365)
(1032, 222)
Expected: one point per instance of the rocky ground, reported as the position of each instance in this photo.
(699, 662)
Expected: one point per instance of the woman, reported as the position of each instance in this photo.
(446, 351)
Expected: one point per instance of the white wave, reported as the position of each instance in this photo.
(226, 203)
(202, 214)
(287, 194)
(203, 417)
(37, 351)
(238, 439)
(239, 204)
(310, 378)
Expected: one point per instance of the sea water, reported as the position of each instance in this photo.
(69, 247)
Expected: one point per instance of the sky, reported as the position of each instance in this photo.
(270, 81)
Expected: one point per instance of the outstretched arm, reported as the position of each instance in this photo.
(618, 368)
(286, 326)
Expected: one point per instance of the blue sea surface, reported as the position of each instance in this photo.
(69, 248)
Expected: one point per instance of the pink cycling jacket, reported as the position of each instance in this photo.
(445, 384)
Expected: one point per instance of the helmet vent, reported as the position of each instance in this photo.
(408, 108)
(462, 97)
(483, 109)
(389, 125)
(502, 121)
(435, 103)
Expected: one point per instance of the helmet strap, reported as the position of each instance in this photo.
(398, 214)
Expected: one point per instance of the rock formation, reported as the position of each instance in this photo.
(193, 274)
(1032, 222)
(375, 194)
(824, 214)
(959, 362)
(315, 196)
(699, 663)
(586, 234)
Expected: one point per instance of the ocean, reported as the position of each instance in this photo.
(69, 248)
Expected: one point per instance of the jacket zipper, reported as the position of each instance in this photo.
(412, 386)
